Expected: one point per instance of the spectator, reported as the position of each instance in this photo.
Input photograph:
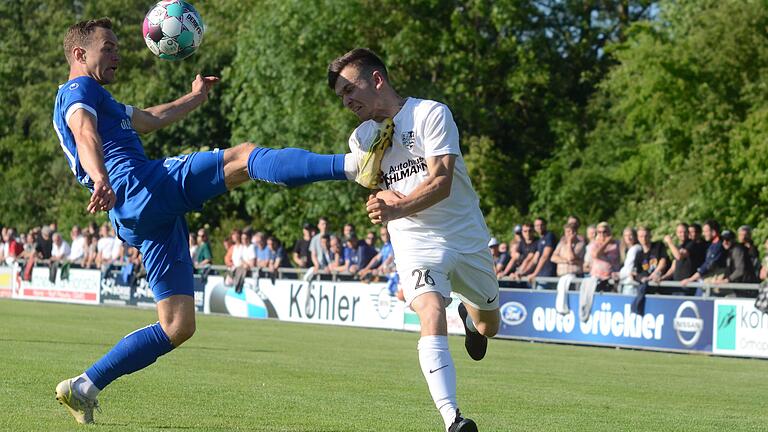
(503, 259)
(367, 249)
(337, 256)
(626, 274)
(605, 256)
(651, 260)
(90, 251)
(745, 238)
(569, 253)
(349, 229)
(714, 263)
(543, 257)
(383, 262)
(203, 257)
(590, 239)
(351, 257)
(60, 249)
(276, 254)
(104, 248)
(30, 246)
(518, 236)
(12, 247)
(739, 267)
(45, 243)
(764, 268)
(192, 246)
(576, 222)
(77, 249)
(263, 256)
(526, 249)
(315, 248)
(301, 255)
(119, 251)
(247, 252)
(323, 258)
(230, 247)
(699, 247)
(682, 265)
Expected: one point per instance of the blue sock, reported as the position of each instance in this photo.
(134, 352)
(294, 167)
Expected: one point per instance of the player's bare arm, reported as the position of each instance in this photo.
(89, 148)
(151, 119)
(385, 206)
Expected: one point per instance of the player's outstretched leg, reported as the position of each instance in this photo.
(476, 335)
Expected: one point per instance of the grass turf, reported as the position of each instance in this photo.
(255, 375)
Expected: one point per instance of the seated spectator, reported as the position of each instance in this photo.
(247, 251)
(104, 248)
(259, 242)
(543, 258)
(682, 266)
(626, 274)
(324, 258)
(12, 247)
(493, 246)
(503, 258)
(231, 246)
(77, 247)
(351, 255)
(589, 239)
(276, 253)
(738, 267)
(337, 263)
(60, 249)
(382, 263)
(203, 257)
(569, 253)
(714, 263)
(745, 238)
(45, 243)
(367, 249)
(605, 257)
(525, 252)
(651, 260)
(301, 255)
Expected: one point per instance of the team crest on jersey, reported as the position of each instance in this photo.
(409, 139)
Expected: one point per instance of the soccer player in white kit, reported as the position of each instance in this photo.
(438, 232)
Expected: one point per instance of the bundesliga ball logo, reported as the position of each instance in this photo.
(173, 29)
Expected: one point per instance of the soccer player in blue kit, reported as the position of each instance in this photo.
(147, 199)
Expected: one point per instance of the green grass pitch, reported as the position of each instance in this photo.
(255, 375)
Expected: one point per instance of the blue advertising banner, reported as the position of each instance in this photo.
(674, 323)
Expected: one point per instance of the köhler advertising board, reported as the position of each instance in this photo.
(668, 323)
(740, 329)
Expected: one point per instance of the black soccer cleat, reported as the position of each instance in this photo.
(462, 424)
(475, 343)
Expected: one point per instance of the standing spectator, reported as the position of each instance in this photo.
(651, 260)
(77, 249)
(104, 248)
(576, 222)
(247, 251)
(526, 249)
(337, 256)
(543, 257)
(383, 262)
(119, 250)
(203, 257)
(230, 247)
(45, 243)
(315, 249)
(367, 249)
(569, 253)
(605, 256)
(351, 257)
(714, 263)
(589, 239)
(349, 229)
(89, 251)
(627, 273)
(739, 267)
(698, 250)
(745, 238)
(682, 266)
(503, 259)
(12, 247)
(276, 253)
(324, 257)
(301, 255)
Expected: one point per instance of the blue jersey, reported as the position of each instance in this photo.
(121, 144)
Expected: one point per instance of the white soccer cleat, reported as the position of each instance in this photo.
(78, 405)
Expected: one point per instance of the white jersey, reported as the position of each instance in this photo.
(423, 129)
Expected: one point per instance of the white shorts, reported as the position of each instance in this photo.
(470, 276)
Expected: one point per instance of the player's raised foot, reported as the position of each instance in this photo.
(462, 424)
(475, 343)
(78, 405)
(369, 156)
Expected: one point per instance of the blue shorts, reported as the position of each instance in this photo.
(152, 200)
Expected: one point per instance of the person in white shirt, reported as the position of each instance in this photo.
(104, 247)
(438, 233)
(60, 250)
(77, 250)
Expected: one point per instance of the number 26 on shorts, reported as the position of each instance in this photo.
(422, 278)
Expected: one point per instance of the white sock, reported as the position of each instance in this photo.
(470, 323)
(350, 166)
(86, 387)
(440, 373)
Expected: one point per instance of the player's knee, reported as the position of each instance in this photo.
(487, 329)
(180, 331)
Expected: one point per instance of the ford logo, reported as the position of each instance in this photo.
(513, 313)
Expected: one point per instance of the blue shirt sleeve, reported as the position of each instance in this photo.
(84, 94)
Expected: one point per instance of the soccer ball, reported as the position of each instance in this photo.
(173, 29)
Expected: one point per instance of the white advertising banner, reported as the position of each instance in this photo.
(6, 281)
(342, 303)
(740, 329)
(82, 286)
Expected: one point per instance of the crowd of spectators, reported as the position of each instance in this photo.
(696, 252)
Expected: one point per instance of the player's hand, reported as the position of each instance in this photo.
(381, 208)
(103, 197)
(202, 85)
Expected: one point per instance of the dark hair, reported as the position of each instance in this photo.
(713, 225)
(363, 58)
(684, 225)
(696, 227)
(79, 34)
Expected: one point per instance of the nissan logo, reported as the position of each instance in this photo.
(688, 328)
(513, 313)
